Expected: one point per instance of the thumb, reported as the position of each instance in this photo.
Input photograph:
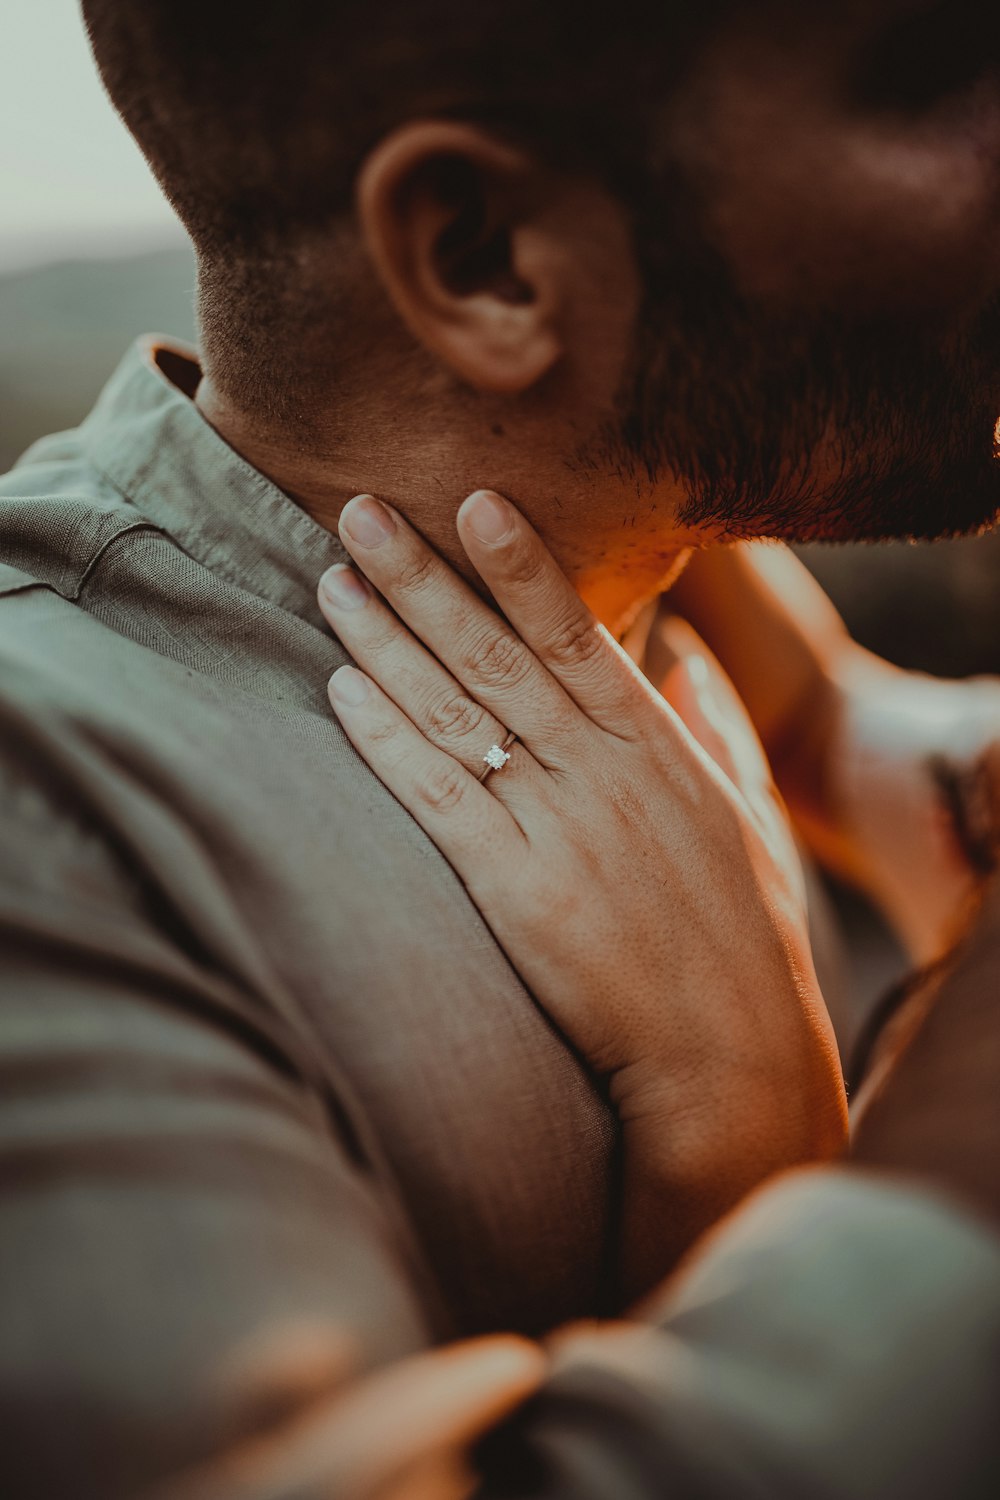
(702, 695)
(693, 682)
(388, 1434)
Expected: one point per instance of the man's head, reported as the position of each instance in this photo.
(726, 267)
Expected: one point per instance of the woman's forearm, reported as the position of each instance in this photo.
(879, 767)
(796, 667)
(773, 628)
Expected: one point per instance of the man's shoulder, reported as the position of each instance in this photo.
(53, 658)
(57, 515)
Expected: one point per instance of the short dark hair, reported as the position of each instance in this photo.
(255, 116)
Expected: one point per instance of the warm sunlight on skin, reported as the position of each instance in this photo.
(669, 867)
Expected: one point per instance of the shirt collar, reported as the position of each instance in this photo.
(147, 437)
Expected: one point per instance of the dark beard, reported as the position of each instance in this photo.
(798, 427)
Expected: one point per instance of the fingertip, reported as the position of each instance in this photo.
(510, 1355)
(488, 516)
(348, 688)
(497, 1371)
(342, 587)
(355, 500)
(367, 522)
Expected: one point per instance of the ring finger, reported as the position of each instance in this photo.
(417, 682)
(469, 638)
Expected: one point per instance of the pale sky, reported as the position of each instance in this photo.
(72, 183)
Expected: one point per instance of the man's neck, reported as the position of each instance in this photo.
(617, 568)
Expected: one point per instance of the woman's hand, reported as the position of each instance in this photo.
(884, 771)
(398, 1433)
(648, 895)
(910, 797)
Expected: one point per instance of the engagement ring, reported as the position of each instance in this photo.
(497, 757)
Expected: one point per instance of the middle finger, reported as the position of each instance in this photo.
(428, 694)
(482, 651)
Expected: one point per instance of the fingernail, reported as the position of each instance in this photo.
(349, 686)
(489, 517)
(344, 588)
(367, 521)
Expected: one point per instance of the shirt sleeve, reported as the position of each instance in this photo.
(173, 1196)
(839, 1336)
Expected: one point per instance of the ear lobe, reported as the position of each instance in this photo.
(445, 210)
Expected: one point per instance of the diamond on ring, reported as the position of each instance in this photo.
(496, 758)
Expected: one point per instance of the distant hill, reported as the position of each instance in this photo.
(63, 329)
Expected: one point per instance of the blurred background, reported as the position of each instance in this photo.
(90, 252)
(91, 255)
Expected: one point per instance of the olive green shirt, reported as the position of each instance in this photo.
(263, 1063)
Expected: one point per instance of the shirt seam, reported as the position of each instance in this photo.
(217, 566)
(71, 592)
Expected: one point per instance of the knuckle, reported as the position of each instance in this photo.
(441, 788)
(454, 717)
(499, 660)
(524, 566)
(382, 733)
(383, 633)
(574, 641)
(415, 571)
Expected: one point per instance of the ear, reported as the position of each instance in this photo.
(460, 227)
